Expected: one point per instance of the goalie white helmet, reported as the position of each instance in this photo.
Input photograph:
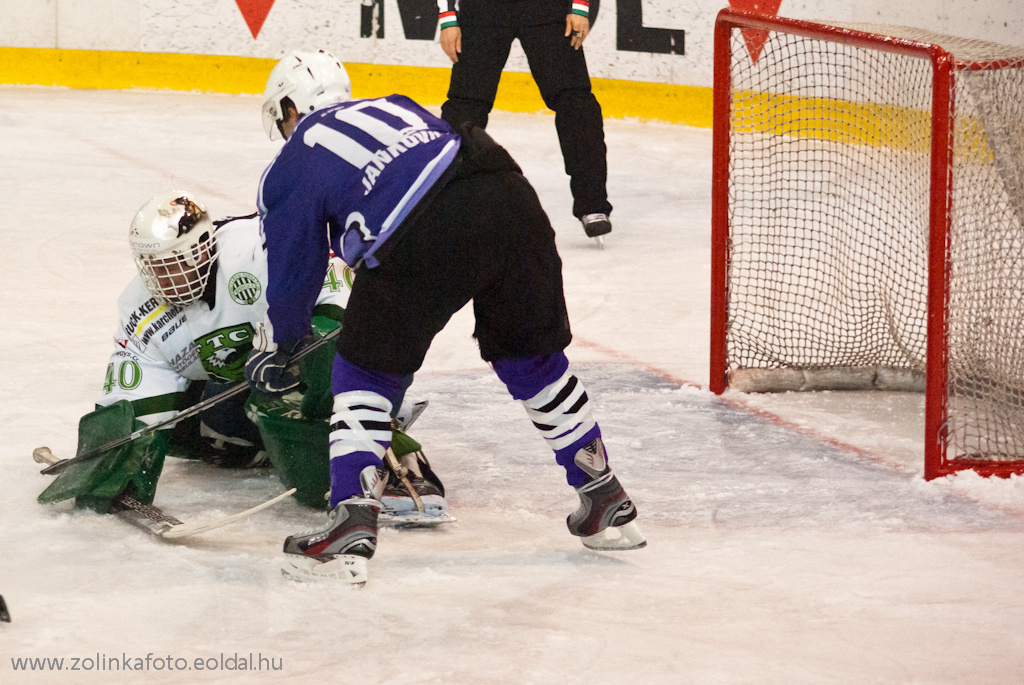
(174, 245)
(310, 80)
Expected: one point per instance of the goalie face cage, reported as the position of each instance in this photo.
(867, 210)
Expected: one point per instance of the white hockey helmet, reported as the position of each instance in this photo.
(174, 245)
(310, 80)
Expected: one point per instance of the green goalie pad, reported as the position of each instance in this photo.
(134, 466)
(295, 428)
(315, 369)
(295, 445)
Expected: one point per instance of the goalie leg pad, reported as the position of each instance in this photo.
(315, 371)
(96, 482)
(296, 446)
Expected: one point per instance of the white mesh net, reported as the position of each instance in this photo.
(829, 179)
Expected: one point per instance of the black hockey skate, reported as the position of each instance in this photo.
(605, 519)
(340, 549)
(413, 494)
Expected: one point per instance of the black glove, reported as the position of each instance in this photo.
(269, 371)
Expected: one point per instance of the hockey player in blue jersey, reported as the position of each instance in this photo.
(430, 219)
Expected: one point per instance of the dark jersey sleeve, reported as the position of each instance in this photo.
(346, 179)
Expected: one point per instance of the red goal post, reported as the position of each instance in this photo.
(868, 224)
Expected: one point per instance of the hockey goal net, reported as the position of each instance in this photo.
(868, 224)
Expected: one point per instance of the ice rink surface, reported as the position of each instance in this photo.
(792, 538)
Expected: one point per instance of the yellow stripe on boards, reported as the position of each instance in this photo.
(853, 123)
(690, 105)
(116, 70)
(427, 85)
(836, 120)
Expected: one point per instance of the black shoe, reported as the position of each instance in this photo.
(596, 224)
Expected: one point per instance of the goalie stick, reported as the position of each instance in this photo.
(403, 475)
(152, 519)
(60, 464)
(420, 517)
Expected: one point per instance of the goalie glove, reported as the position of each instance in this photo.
(269, 372)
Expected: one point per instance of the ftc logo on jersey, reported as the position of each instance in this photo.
(244, 288)
(224, 351)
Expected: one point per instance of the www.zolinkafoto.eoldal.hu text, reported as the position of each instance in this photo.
(151, 662)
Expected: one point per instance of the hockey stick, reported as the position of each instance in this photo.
(197, 408)
(403, 475)
(152, 519)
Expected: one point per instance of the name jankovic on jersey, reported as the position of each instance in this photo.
(381, 158)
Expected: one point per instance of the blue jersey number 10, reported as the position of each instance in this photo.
(352, 151)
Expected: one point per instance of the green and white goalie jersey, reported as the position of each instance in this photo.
(159, 349)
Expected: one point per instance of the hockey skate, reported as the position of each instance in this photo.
(413, 495)
(340, 549)
(596, 226)
(605, 519)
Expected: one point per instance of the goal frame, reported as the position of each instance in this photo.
(943, 66)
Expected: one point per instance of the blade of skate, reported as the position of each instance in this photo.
(399, 512)
(346, 568)
(414, 519)
(616, 538)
